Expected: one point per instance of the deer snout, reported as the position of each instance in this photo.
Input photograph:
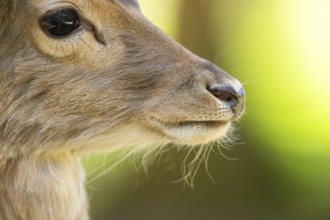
(228, 90)
(230, 95)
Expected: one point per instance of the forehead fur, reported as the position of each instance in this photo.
(9, 31)
(7, 7)
(8, 10)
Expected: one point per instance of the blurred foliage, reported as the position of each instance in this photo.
(280, 50)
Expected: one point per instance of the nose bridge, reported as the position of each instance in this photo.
(217, 77)
(148, 43)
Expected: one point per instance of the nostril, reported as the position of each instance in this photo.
(226, 94)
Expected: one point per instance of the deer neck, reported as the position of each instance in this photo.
(51, 187)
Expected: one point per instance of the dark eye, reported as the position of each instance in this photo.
(61, 23)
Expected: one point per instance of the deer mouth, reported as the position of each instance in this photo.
(192, 132)
(207, 124)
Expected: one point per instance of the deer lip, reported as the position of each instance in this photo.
(186, 124)
(200, 123)
(191, 132)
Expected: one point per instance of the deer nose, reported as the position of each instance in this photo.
(233, 97)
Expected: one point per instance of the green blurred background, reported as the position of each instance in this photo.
(280, 50)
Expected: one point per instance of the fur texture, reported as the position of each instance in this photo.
(117, 82)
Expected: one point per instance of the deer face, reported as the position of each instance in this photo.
(98, 73)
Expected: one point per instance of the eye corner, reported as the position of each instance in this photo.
(62, 23)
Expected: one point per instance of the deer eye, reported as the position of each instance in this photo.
(60, 23)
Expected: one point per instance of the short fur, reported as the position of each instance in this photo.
(118, 82)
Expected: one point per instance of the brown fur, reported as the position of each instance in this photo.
(119, 82)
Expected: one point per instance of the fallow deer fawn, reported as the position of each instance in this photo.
(86, 76)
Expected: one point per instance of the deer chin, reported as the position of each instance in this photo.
(193, 132)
